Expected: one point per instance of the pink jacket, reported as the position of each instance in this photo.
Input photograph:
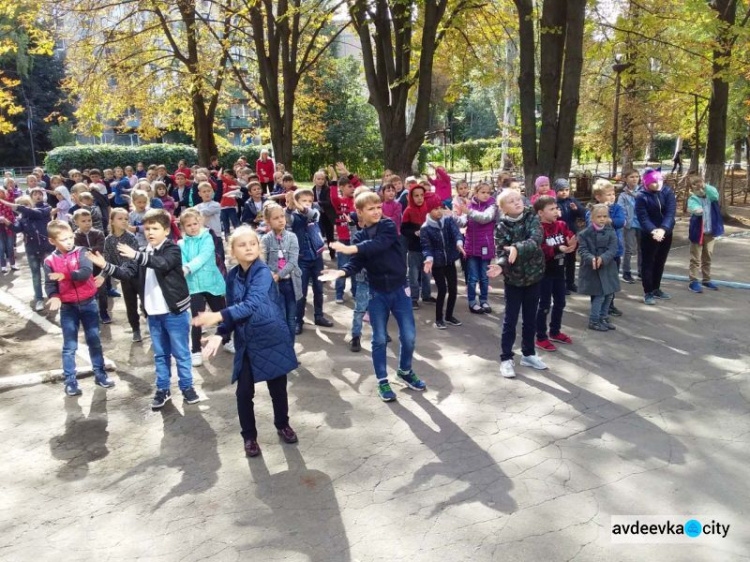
(441, 183)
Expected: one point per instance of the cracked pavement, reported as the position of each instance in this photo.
(651, 419)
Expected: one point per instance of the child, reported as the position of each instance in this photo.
(518, 239)
(135, 218)
(64, 203)
(597, 275)
(542, 188)
(265, 167)
(302, 216)
(442, 244)
(655, 207)
(33, 224)
(460, 202)
(252, 211)
(402, 194)
(161, 193)
(479, 218)
(280, 250)
(571, 211)
(209, 208)
(7, 236)
(205, 281)
(705, 225)
(391, 208)
(229, 196)
(558, 241)
(604, 194)
(119, 234)
(377, 249)
(92, 240)
(180, 192)
(86, 201)
(70, 287)
(344, 205)
(166, 298)
(264, 347)
(441, 183)
(322, 196)
(413, 219)
(631, 234)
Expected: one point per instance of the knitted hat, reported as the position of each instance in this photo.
(433, 203)
(541, 180)
(651, 176)
(560, 184)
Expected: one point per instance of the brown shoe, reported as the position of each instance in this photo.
(252, 449)
(288, 435)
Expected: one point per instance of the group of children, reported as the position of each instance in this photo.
(390, 242)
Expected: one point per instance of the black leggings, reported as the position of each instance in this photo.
(198, 303)
(130, 296)
(446, 278)
(245, 408)
(654, 255)
(326, 225)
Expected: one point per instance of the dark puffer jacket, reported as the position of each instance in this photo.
(440, 240)
(33, 225)
(526, 234)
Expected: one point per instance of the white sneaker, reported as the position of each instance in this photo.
(5, 269)
(39, 306)
(229, 346)
(197, 359)
(14, 267)
(507, 370)
(533, 361)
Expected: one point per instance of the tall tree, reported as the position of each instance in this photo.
(399, 39)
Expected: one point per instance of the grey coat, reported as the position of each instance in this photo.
(290, 249)
(598, 243)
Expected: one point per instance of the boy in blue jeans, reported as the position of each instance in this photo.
(377, 249)
(69, 281)
(166, 298)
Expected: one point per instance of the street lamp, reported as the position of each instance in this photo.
(621, 64)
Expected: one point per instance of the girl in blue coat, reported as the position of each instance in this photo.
(263, 344)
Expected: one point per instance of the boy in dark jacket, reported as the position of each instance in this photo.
(377, 249)
(442, 244)
(571, 211)
(165, 295)
(92, 240)
(518, 239)
(33, 225)
(558, 242)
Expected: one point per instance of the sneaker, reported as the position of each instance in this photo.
(546, 345)
(386, 392)
(411, 380)
(711, 285)
(197, 359)
(649, 299)
(561, 338)
(5, 269)
(39, 305)
(252, 449)
(104, 381)
(486, 308)
(160, 398)
(431, 300)
(598, 327)
(229, 346)
(628, 278)
(415, 305)
(507, 370)
(137, 336)
(190, 396)
(614, 311)
(288, 435)
(339, 300)
(659, 294)
(71, 388)
(106, 318)
(14, 267)
(573, 288)
(607, 324)
(355, 345)
(298, 329)
(113, 293)
(695, 286)
(453, 321)
(324, 322)
(533, 361)
(476, 309)
(440, 325)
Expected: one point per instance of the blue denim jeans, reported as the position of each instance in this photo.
(35, 265)
(289, 304)
(71, 317)
(7, 248)
(229, 216)
(311, 270)
(418, 279)
(477, 274)
(341, 261)
(600, 307)
(551, 296)
(361, 303)
(524, 300)
(382, 304)
(170, 337)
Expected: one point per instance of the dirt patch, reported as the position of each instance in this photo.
(25, 347)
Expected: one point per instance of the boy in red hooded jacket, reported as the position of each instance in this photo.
(413, 219)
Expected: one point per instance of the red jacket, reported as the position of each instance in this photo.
(343, 206)
(265, 170)
(78, 285)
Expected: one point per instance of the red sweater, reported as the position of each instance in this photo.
(265, 170)
(556, 234)
(343, 206)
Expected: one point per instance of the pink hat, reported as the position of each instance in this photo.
(541, 180)
(651, 176)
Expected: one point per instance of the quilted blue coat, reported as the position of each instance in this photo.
(254, 312)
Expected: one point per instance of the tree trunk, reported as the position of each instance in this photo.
(738, 144)
(526, 88)
(204, 138)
